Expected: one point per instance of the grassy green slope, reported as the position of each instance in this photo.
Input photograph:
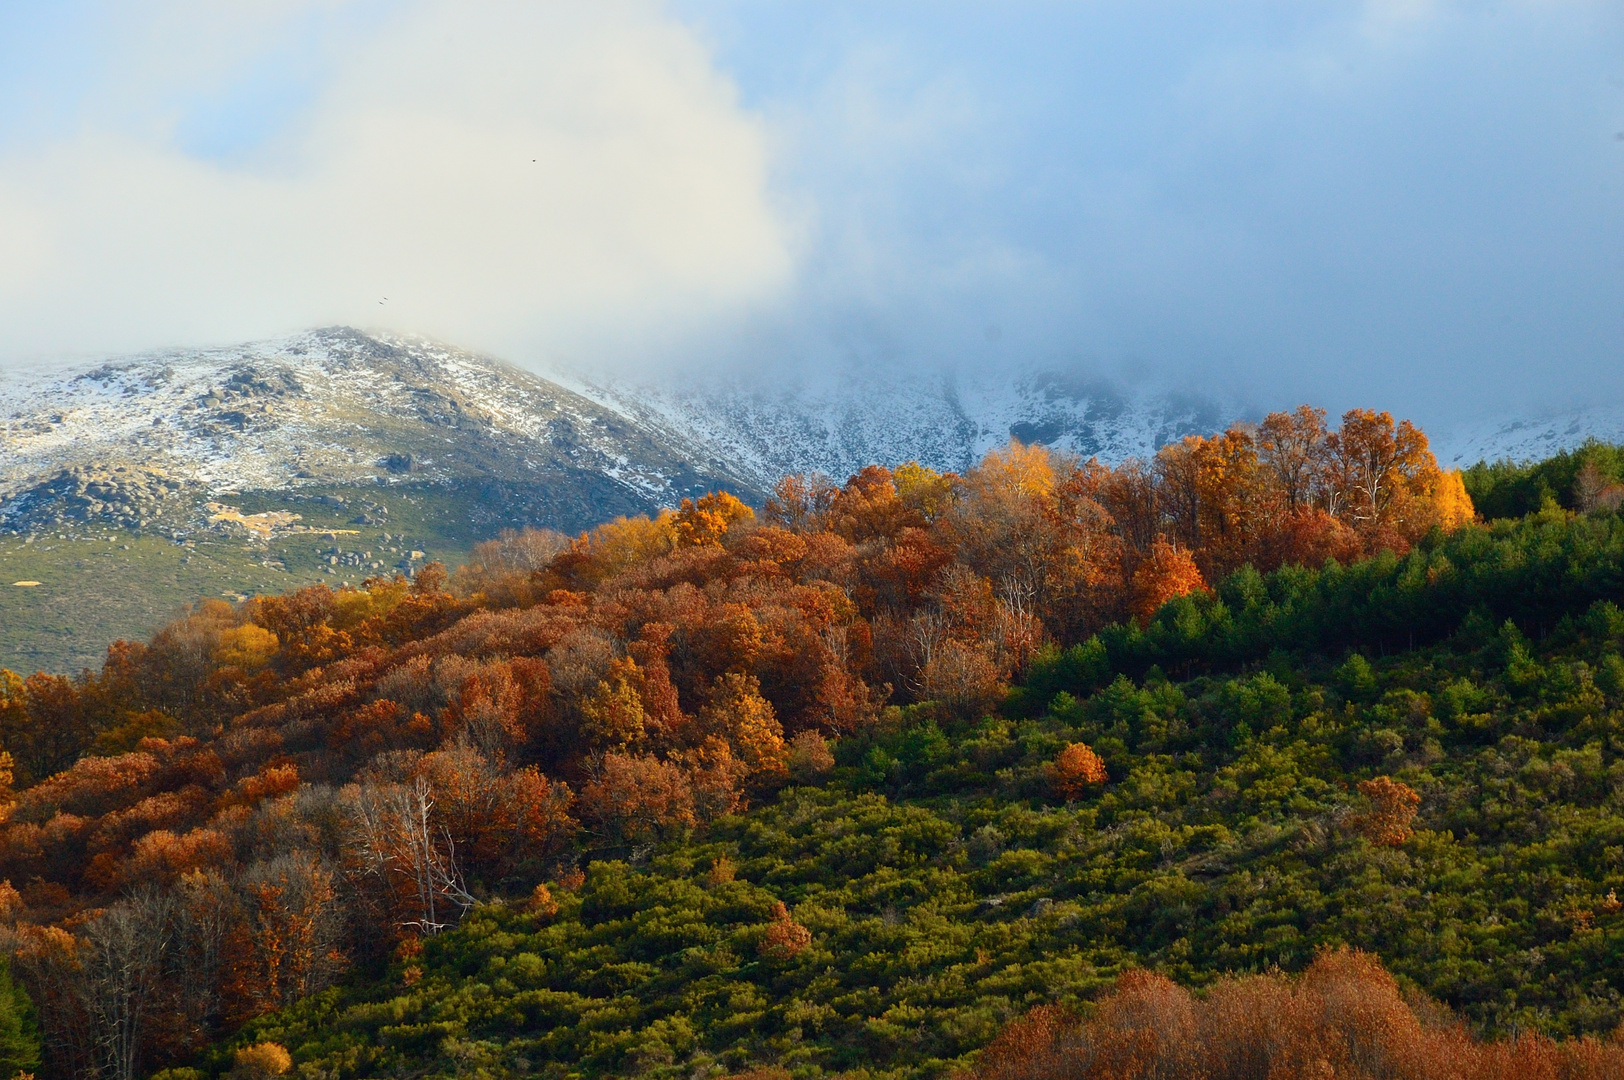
(946, 889)
(99, 584)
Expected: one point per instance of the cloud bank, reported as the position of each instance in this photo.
(523, 177)
(1411, 203)
(1407, 203)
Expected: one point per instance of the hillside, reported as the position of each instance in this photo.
(347, 452)
(847, 785)
(138, 473)
(948, 878)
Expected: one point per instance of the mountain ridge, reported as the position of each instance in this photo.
(333, 454)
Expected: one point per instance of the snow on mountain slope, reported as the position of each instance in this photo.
(947, 422)
(334, 407)
(1527, 438)
(766, 428)
(337, 406)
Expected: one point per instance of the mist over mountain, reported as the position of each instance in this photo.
(142, 442)
(710, 540)
(335, 455)
(1416, 204)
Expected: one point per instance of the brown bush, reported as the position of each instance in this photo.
(809, 757)
(785, 938)
(1342, 1019)
(1392, 810)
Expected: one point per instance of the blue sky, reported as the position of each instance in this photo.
(1405, 203)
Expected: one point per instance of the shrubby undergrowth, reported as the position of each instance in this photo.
(847, 786)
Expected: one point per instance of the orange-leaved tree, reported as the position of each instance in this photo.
(1166, 573)
(1075, 769)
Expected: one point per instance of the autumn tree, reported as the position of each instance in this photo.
(639, 799)
(923, 490)
(261, 1061)
(868, 507)
(287, 946)
(1293, 447)
(1214, 496)
(800, 500)
(495, 820)
(1393, 806)
(612, 715)
(1001, 523)
(396, 845)
(961, 677)
(1168, 572)
(1344, 1016)
(809, 756)
(1075, 769)
(705, 521)
(1378, 469)
(48, 726)
(785, 938)
(739, 714)
(1129, 495)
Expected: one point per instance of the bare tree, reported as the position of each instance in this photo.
(297, 924)
(205, 907)
(121, 962)
(396, 841)
(1588, 486)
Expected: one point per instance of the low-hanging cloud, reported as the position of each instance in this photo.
(517, 176)
(1417, 204)
(1411, 203)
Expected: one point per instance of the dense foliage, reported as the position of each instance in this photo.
(1455, 810)
(1584, 478)
(1344, 1017)
(1003, 740)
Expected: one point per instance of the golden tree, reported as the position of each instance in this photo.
(1075, 769)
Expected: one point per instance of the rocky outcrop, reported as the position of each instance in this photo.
(120, 495)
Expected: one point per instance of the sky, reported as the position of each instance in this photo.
(1409, 204)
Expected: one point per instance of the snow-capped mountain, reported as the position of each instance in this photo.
(1527, 438)
(144, 441)
(766, 429)
(128, 438)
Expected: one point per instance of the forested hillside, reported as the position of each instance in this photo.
(849, 784)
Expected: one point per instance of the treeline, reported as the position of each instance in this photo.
(1585, 478)
(1540, 573)
(226, 818)
(1344, 1017)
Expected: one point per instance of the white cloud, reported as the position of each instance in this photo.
(524, 177)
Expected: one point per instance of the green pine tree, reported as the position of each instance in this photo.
(19, 1033)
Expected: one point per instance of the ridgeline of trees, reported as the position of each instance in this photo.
(1008, 733)
(1344, 1017)
(1582, 479)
